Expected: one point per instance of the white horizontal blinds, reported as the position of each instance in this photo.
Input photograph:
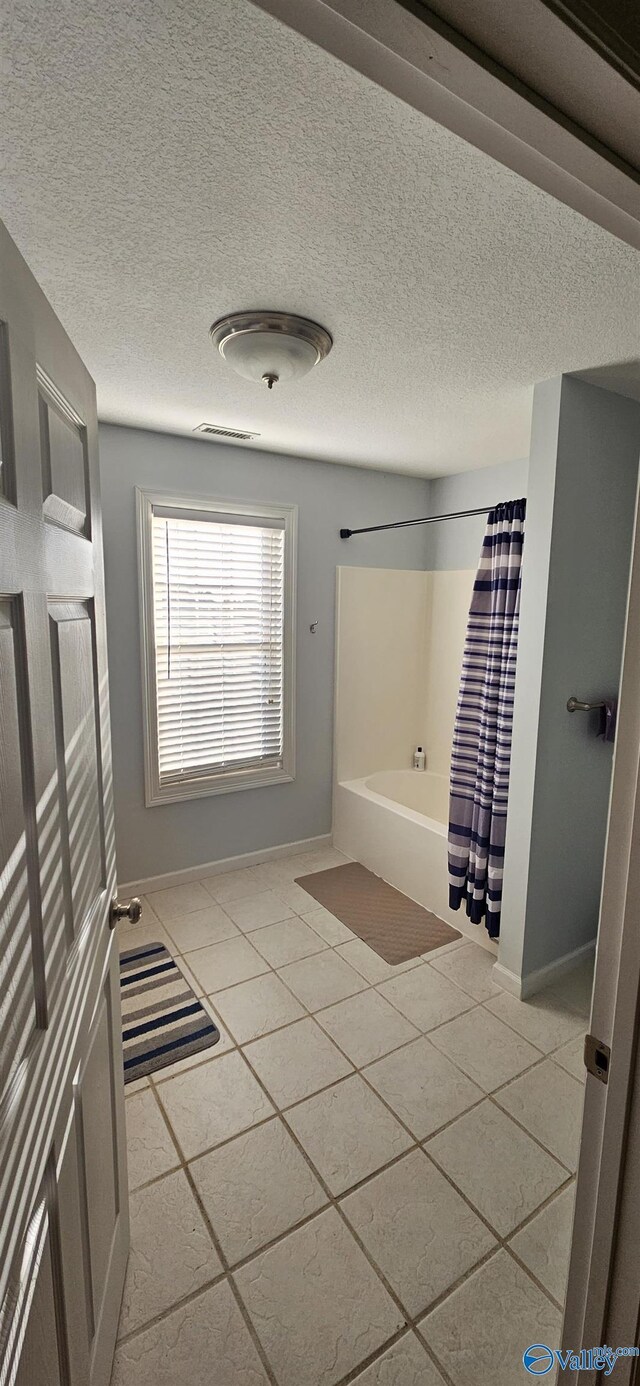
(218, 586)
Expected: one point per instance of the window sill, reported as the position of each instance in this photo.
(215, 784)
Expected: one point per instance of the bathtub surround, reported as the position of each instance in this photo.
(180, 837)
(399, 643)
(482, 734)
(382, 630)
(450, 600)
(580, 513)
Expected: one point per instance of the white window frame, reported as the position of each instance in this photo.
(221, 781)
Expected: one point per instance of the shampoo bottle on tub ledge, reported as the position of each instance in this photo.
(419, 759)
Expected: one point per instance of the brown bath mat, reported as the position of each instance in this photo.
(393, 925)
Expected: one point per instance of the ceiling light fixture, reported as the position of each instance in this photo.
(270, 346)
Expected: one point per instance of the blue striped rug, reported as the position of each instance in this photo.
(162, 1019)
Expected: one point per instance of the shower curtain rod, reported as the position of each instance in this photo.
(426, 520)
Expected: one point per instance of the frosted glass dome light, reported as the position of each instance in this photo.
(270, 347)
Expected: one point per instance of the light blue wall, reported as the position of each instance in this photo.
(172, 837)
(456, 543)
(580, 513)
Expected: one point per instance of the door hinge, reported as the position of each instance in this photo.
(597, 1057)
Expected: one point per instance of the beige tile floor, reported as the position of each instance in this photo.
(369, 1180)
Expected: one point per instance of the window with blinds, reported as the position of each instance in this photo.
(220, 599)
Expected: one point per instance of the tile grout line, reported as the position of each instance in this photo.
(313, 1015)
(335, 1200)
(523, 1266)
(542, 1056)
(230, 1269)
(536, 1139)
(316, 1014)
(332, 1201)
(412, 1323)
(545, 1053)
(361, 1072)
(407, 1331)
(409, 1321)
(417, 1142)
(503, 1239)
(355, 1070)
(439, 952)
(184, 1165)
(368, 986)
(421, 1034)
(232, 1286)
(137, 1332)
(423, 958)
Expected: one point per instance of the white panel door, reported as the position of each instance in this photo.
(63, 1201)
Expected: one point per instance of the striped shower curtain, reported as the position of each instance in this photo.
(482, 735)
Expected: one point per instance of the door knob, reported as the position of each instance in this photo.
(131, 911)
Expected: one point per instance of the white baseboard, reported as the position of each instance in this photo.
(215, 868)
(526, 986)
(509, 981)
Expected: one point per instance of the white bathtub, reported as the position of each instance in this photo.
(395, 822)
(419, 790)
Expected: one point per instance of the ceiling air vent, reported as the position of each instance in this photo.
(218, 431)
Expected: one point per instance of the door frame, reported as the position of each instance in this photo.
(405, 48)
(603, 1294)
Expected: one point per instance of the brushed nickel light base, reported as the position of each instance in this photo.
(269, 346)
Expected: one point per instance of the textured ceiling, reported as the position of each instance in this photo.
(169, 161)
